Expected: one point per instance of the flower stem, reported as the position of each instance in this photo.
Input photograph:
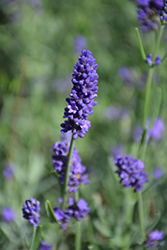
(158, 41)
(33, 238)
(67, 172)
(78, 236)
(147, 95)
(141, 217)
(78, 228)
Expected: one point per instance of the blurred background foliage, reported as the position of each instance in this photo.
(37, 54)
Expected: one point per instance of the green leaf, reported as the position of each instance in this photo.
(135, 236)
(38, 238)
(155, 183)
(49, 212)
(102, 228)
(151, 226)
(140, 44)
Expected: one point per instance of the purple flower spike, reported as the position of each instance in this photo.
(31, 211)
(8, 215)
(81, 101)
(155, 239)
(131, 173)
(163, 17)
(148, 11)
(43, 246)
(77, 175)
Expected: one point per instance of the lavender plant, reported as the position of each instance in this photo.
(66, 162)
(120, 215)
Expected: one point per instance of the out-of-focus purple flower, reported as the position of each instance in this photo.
(81, 102)
(126, 75)
(131, 173)
(149, 13)
(113, 113)
(157, 130)
(157, 173)
(8, 215)
(137, 134)
(117, 151)
(80, 44)
(8, 172)
(77, 175)
(31, 211)
(157, 60)
(154, 239)
(77, 210)
(62, 85)
(149, 59)
(35, 3)
(43, 246)
(163, 16)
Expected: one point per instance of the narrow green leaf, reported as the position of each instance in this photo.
(151, 226)
(155, 183)
(135, 236)
(140, 44)
(49, 212)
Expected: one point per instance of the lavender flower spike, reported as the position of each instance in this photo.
(77, 175)
(148, 11)
(131, 173)
(31, 211)
(155, 239)
(81, 101)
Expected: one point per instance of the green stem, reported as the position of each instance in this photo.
(141, 216)
(158, 41)
(78, 236)
(147, 95)
(78, 228)
(140, 44)
(67, 172)
(33, 238)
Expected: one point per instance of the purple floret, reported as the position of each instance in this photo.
(131, 173)
(43, 246)
(150, 62)
(155, 239)
(8, 215)
(81, 101)
(77, 210)
(31, 211)
(77, 175)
